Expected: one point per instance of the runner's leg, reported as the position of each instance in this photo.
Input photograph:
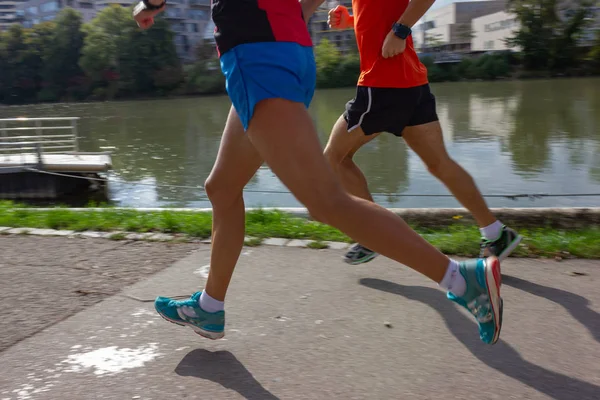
(339, 152)
(237, 162)
(283, 134)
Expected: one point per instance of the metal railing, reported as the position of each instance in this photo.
(38, 135)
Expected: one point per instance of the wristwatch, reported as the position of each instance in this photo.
(150, 6)
(402, 31)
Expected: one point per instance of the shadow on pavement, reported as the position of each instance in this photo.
(224, 368)
(576, 305)
(502, 357)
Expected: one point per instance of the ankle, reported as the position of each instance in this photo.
(492, 231)
(209, 304)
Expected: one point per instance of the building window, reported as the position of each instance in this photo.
(197, 14)
(499, 25)
(87, 5)
(32, 10)
(193, 27)
(488, 45)
(178, 27)
(174, 12)
(51, 6)
(427, 25)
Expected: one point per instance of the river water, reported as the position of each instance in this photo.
(517, 137)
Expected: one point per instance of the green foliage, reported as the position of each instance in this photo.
(333, 68)
(204, 76)
(455, 238)
(485, 67)
(594, 55)
(61, 73)
(108, 57)
(20, 67)
(548, 34)
(123, 60)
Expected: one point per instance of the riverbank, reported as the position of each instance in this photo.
(555, 235)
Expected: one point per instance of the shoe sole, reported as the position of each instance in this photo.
(199, 331)
(511, 247)
(493, 280)
(361, 261)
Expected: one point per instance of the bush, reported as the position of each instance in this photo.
(200, 79)
(333, 68)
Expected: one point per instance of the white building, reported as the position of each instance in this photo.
(450, 28)
(490, 32)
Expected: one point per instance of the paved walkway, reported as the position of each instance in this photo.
(303, 325)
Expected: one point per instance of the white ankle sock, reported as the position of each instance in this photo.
(492, 231)
(209, 304)
(453, 280)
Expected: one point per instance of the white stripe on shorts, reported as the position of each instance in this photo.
(365, 113)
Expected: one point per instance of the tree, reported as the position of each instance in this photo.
(105, 43)
(61, 59)
(548, 35)
(594, 54)
(327, 56)
(19, 73)
(123, 60)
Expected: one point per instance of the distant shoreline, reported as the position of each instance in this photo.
(187, 96)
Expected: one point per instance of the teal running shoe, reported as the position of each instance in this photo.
(188, 313)
(482, 296)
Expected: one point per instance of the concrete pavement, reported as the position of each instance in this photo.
(303, 325)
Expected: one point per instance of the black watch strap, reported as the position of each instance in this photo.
(150, 6)
(400, 30)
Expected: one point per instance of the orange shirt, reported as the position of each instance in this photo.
(373, 20)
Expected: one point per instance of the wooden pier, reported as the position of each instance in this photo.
(40, 160)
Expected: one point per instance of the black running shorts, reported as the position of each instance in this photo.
(390, 110)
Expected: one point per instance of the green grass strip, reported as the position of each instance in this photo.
(458, 239)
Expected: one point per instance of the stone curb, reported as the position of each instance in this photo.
(163, 237)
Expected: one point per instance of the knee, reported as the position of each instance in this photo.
(440, 167)
(220, 193)
(337, 160)
(328, 208)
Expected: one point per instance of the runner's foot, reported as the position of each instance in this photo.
(503, 246)
(482, 296)
(188, 313)
(359, 255)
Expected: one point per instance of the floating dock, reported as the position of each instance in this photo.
(40, 160)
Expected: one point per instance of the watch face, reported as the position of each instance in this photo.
(401, 31)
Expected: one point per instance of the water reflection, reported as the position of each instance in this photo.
(514, 137)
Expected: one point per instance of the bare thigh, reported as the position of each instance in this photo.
(427, 141)
(281, 132)
(236, 163)
(343, 144)
(284, 135)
